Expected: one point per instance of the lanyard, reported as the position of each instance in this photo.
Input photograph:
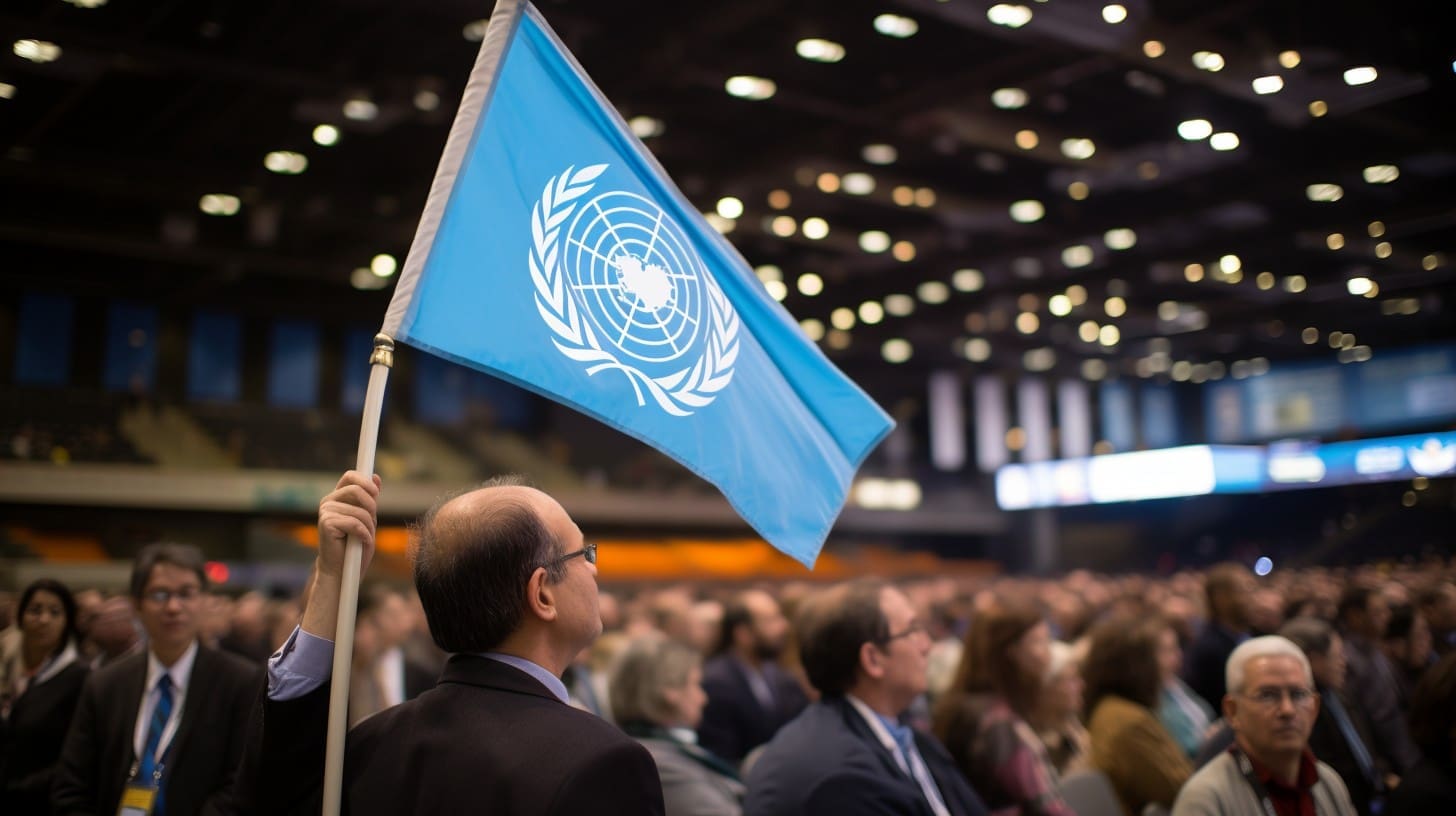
(1260, 792)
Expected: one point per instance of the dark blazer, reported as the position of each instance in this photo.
(734, 722)
(31, 740)
(827, 762)
(488, 738)
(202, 765)
(1207, 660)
(1330, 747)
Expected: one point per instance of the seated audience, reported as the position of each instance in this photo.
(1437, 604)
(749, 695)
(1407, 645)
(1429, 788)
(1271, 706)
(1059, 712)
(848, 754)
(1363, 614)
(39, 688)
(1228, 589)
(658, 698)
(1181, 710)
(1129, 745)
(983, 717)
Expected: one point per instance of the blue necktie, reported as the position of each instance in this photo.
(1352, 737)
(160, 715)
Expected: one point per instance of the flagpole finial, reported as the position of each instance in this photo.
(383, 351)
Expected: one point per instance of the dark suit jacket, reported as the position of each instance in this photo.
(827, 762)
(1371, 684)
(203, 761)
(1330, 747)
(734, 722)
(31, 740)
(488, 738)
(1207, 660)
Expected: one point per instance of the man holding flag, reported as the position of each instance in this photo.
(509, 588)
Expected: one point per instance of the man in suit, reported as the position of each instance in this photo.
(509, 587)
(1363, 615)
(849, 753)
(1229, 588)
(383, 675)
(169, 721)
(749, 696)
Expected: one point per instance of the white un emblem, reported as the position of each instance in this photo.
(621, 287)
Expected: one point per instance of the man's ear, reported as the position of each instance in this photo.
(1230, 708)
(871, 660)
(541, 596)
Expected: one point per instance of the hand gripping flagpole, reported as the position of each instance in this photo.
(381, 361)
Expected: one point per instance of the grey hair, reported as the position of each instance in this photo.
(648, 666)
(1267, 646)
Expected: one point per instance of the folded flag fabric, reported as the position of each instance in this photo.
(556, 253)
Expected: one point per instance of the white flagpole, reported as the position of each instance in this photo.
(381, 360)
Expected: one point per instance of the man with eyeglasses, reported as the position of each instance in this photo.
(509, 588)
(161, 730)
(851, 753)
(1271, 706)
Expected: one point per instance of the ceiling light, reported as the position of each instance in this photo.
(1027, 211)
(1265, 85)
(360, 109)
(1119, 239)
(1009, 15)
(326, 135)
(1077, 293)
(1114, 13)
(819, 50)
(874, 241)
(924, 198)
(1088, 331)
(1195, 129)
(1109, 335)
(1039, 359)
(978, 350)
(361, 278)
(813, 329)
(815, 229)
(1078, 148)
(894, 25)
(899, 305)
(858, 183)
(776, 289)
(1265, 281)
(383, 265)
(37, 51)
(1289, 59)
(1077, 256)
(474, 31)
(1375, 229)
(768, 272)
(1169, 310)
(729, 207)
(842, 318)
(1008, 98)
(827, 182)
(1310, 335)
(219, 204)
(7, 91)
(1383, 249)
(783, 225)
(1027, 322)
(1078, 190)
(1208, 60)
(1154, 49)
(719, 223)
(1294, 284)
(1360, 75)
(896, 350)
(903, 251)
(750, 87)
(879, 154)
(87, 4)
(1193, 272)
(1359, 286)
(779, 199)
(1229, 264)
(1028, 302)
(838, 340)
(1324, 192)
(1225, 141)
(1381, 174)
(1335, 241)
(1114, 307)
(1027, 139)
(1318, 108)
(810, 284)
(645, 127)
(933, 292)
(286, 162)
(871, 312)
(1059, 305)
(903, 196)
(1430, 262)
(967, 280)
(426, 100)
(1094, 369)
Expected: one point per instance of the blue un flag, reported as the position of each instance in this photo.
(555, 252)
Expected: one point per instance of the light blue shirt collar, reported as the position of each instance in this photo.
(549, 680)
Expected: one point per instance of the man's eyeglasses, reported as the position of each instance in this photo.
(589, 552)
(915, 627)
(1272, 696)
(160, 597)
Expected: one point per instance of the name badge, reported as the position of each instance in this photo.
(137, 800)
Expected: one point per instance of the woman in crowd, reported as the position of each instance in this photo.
(1143, 762)
(1429, 788)
(41, 686)
(983, 718)
(1184, 713)
(658, 698)
(1059, 712)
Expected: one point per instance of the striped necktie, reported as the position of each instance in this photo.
(160, 716)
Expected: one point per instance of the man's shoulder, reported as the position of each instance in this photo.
(820, 735)
(124, 668)
(719, 668)
(1210, 789)
(227, 664)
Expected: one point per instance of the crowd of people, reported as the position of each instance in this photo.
(505, 676)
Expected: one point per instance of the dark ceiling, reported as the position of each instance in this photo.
(106, 151)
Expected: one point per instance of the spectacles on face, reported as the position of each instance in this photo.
(160, 597)
(915, 627)
(589, 552)
(1272, 696)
